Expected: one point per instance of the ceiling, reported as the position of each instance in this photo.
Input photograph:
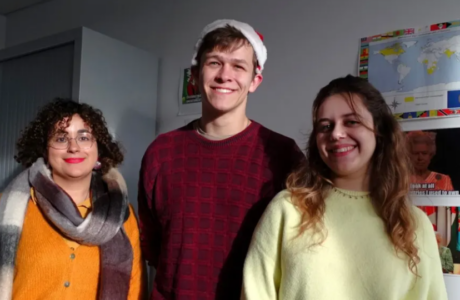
(9, 6)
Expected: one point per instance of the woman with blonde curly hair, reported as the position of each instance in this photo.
(344, 228)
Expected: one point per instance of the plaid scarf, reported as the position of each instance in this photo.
(103, 227)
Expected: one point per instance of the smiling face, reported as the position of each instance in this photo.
(226, 78)
(345, 144)
(76, 160)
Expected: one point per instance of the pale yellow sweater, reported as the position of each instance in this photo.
(356, 262)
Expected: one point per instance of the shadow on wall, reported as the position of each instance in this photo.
(17, 170)
(135, 131)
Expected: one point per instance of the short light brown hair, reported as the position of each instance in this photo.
(227, 38)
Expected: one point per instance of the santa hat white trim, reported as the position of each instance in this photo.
(253, 37)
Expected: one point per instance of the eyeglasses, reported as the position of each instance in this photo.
(62, 141)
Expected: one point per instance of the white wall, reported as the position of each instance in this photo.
(309, 42)
(121, 80)
(2, 31)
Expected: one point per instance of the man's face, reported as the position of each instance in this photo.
(226, 78)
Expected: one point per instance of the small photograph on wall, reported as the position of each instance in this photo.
(189, 94)
(436, 172)
(447, 236)
(190, 88)
(435, 161)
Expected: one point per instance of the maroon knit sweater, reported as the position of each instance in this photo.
(199, 202)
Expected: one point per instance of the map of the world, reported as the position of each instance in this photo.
(417, 70)
(414, 63)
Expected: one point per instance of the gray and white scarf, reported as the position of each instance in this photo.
(102, 227)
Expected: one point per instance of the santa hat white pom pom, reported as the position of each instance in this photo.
(256, 39)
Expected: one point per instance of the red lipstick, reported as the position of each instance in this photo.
(74, 160)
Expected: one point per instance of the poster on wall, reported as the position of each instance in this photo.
(436, 177)
(435, 163)
(416, 69)
(189, 94)
(447, 237)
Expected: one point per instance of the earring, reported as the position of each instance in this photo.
(97, 165)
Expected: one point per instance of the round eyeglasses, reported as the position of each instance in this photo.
(61, 142)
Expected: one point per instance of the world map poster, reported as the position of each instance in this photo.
(417, 70)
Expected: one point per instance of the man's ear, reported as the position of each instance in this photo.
(256, 81)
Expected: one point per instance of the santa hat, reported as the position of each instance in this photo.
(254, 38)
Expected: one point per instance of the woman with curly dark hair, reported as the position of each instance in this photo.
(345, 227)
(67, 229)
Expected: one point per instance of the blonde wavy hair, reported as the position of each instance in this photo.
(422, 137)
(390, 171)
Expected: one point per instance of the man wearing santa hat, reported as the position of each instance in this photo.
(203, 187)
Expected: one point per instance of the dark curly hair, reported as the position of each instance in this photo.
(33, 142)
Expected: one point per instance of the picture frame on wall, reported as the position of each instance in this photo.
(189, 94)
(433, 145)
